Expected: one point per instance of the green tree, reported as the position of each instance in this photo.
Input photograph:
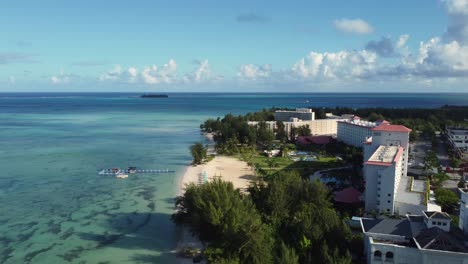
(264, 134)
(281, 132)
(461, 184)
(447, 199)
(226, 220)
(375, 117)
(286, 255)
(455, 162)
(199, 152)
(303, 130)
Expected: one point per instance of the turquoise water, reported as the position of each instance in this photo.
(56, 209)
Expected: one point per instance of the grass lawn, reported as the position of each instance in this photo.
(276, 164)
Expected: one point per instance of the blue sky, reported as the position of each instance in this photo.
(277, 46)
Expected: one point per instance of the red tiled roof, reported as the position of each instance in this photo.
(391, 128)
(348, 195)
(378, 163)
(399, 154)
(319, 140)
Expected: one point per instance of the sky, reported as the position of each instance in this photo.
(234, 46)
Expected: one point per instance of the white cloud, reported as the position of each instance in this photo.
(133, 74)
(61, 78)
(457, 6)
(201, 73)
(154, 75)
(402, 41)
(112, 75)
(341, 65)
(457, 29)
(353, 26)
(253, 72)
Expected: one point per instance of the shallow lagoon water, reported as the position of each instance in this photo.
(56, 209)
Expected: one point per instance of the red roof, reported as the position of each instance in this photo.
(391, 128)
(348, 195)
(399, 154)
(318, 140)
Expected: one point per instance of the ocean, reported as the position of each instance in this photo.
(56, 209)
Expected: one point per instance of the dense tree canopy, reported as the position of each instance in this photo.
(447, 199)
(287, 220)
(199, 152)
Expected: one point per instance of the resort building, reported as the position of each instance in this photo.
(327, 126)
(387, 187)
(458, 139)
(425, 238)
(383, 172)
(318, 127)
(305, 114)
(355, 131)
(463, 220)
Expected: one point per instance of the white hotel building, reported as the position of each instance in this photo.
(305, 114)
(355, 132)
(463, 220)
(388, 189)
(458, 139)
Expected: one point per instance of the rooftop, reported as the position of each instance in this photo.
(436, 239)
(385, 156)
(396, 227)
(361, 123)
(318, 140)
(391, 128)
(298, 110)
(348, 195)
(437, 215)
(412, 227)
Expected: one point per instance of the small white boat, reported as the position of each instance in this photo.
(122, 176)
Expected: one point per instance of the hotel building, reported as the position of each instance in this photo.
(463, 220)
(458, 139)
(388, 189)
(304, 114)
(305, 117)
(355, 131)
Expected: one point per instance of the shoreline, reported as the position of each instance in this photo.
(226, 168)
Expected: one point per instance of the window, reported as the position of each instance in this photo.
(439, 223)
(388, 210)
(444, 224)
(378, 195)
(377, 254)
(388, 201)
(433, 222)
(389, 195)
(389, 255)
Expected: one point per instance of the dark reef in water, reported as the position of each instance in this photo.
(154, 96)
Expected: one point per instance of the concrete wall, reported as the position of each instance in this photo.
(401, 254)
(380, 192)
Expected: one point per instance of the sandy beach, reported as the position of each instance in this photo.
(228, 169)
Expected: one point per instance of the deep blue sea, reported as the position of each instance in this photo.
(54, 208)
